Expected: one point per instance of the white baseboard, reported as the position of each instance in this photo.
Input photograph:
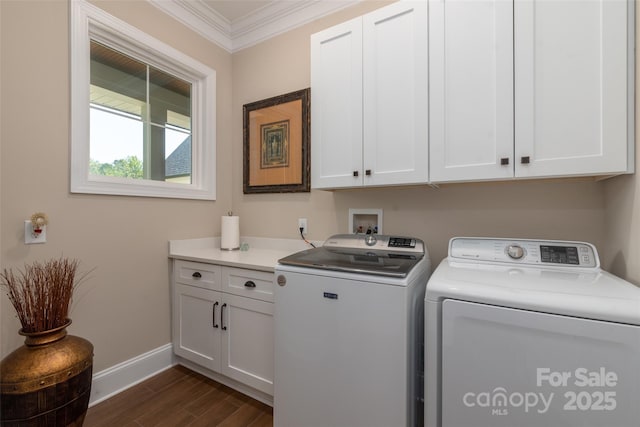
(120, 377)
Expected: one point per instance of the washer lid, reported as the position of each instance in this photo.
(387, 256)
(591, 294)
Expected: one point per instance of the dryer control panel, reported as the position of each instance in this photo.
(524, 251)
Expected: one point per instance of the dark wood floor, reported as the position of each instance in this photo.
(179, 397)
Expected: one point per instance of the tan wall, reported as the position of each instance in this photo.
(622, 214)
(560, 209)
(622, 230)
(124, 307)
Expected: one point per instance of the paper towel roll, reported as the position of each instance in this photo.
(230, 239)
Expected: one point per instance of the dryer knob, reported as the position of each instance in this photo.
(515, 251)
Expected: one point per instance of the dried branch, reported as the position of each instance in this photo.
(41, 294)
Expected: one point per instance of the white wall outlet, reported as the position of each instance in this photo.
(32, 236)
(302, 223)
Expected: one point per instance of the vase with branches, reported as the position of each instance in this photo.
(48, 379)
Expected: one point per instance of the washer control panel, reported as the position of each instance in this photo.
(377, 242)
(528, 252)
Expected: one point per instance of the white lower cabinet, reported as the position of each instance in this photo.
(247, 341)
(223, 321)
(196, 335)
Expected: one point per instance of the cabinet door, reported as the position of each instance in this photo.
(470, 90)
(247, 341)
(336, 106)
(196, 325)
(395, 94)
(572, 86)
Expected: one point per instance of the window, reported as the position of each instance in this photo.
(143, 114)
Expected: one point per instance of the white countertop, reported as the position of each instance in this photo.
(263, 253)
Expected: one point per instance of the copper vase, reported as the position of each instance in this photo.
(47, 381)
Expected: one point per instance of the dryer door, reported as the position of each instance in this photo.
(505, 367)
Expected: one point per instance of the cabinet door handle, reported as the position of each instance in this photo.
(215, 325)
(355, 173)
(224, 328)
(525, 160)
(504, 161)
(196, 275)
(367, 172)
(249, 284)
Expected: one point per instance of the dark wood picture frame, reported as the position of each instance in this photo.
(276, 143)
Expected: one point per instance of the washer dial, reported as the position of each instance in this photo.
(370, 240)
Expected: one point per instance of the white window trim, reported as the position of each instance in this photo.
(89, 22)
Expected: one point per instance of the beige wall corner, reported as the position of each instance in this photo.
(622, 201)
(622, 229)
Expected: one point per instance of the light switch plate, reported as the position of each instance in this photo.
(30, 237)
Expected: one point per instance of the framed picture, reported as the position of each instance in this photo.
(276, 144)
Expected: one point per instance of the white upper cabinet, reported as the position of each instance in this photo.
(471, 89)
(530, 88)
(572, 86)
(369, 99)
(336, 106)
(396, 149)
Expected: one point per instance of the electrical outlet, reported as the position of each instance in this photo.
(302, 223)
(32, 236)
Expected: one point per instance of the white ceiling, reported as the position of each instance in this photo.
(236, 9)
(238, 24)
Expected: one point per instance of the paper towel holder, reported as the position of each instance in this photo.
(230, 233)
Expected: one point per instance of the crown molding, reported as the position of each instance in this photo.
(200, 18)
(266, 22)
(280, 17)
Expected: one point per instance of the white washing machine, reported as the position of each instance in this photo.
(349, 320)
(530, 333)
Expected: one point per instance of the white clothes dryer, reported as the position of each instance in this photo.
(530, 333)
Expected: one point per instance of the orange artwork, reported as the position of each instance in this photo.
(276, 144)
